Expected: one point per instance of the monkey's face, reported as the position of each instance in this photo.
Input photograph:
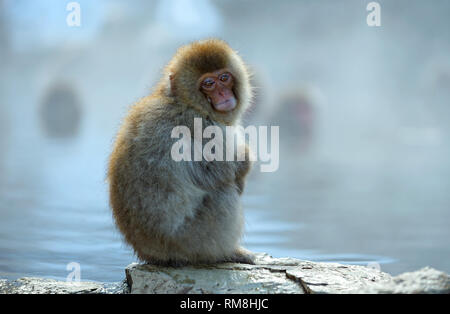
(218, 89)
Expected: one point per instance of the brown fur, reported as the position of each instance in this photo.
(180, 212)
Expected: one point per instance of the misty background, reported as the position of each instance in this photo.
(364, 174)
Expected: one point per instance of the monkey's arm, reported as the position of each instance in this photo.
(216, 174)
(212, 175)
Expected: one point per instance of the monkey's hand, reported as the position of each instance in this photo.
(240, 183)
(243, 168)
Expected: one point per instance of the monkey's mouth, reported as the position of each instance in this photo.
(226, 105)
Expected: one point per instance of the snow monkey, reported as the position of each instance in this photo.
(183, 212)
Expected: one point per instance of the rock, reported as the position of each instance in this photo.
(49, 286)
(425, 280)
(268, 275)
(223, 278)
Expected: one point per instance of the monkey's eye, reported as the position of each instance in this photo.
(208, 83)
(224, 77)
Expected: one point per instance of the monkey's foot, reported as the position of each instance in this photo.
(242, 256)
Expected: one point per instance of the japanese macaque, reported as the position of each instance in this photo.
(296, 113)
(61, 112)
(183, 212)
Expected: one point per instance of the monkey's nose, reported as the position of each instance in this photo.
(221, 90)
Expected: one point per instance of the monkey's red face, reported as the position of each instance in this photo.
(218, 89)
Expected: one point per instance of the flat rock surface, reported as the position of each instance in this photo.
(268, 275)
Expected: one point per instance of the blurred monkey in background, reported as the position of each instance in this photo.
(296, 116)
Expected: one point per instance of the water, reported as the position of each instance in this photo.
(366, 181)
(54, 210)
